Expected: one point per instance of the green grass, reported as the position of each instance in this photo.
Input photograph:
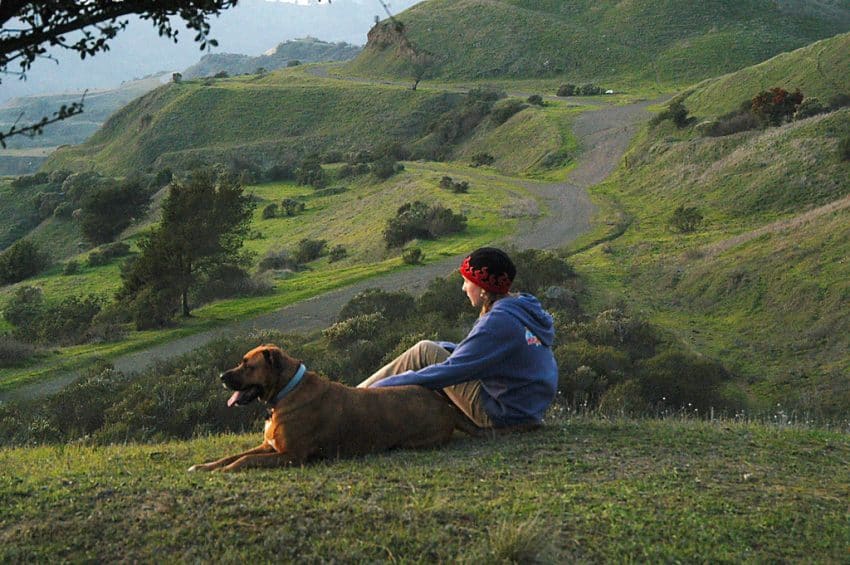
(582, 489)
(771, 305)
(614, 44)
(814, 69)
(278, 117)
(355, 219)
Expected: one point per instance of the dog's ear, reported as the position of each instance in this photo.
(274, 358)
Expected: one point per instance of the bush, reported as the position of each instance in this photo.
(480, 159)
(774, 106)
(535, 100)
(291, 207)
(311, 173)
(538, 269)
(624, 399)
(72, 267)
(444, 297)
(226, 281)
(418, 220)
(362, 327)
(837, 101)
(13, 352)
(734, 122)
(844, 148)
(808, 108)
(279, 172)
(26, 181)
(675, 112)
(617, 329)
(36, 321)
(63, 211)
(154, 308)
(337, 253)
(106, 253)
(412, 256)
(107, 210)
(270, 212)
(566, 90)
(682, 381)
(309, 250)
(330, 191)
(685, 219)
(503, 111)
(22, 260)
(396, 306)
(385, 167)
(589, 89)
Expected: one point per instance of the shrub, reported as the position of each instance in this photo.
(309, 250)
(47, 202)
(279, 172)
(675, 112)
(107, 210)
(443, 296)
(448, 183)
(331, 156)
(685, 219)
(538, 269)
(277, 259)
(270, 211)
(418, 220)
(36, 321)
(393, 150)
(226, 281)
(63, 211)
(837, 101)
(412, 256)
(13, 352)
(291, 207)
(844, 148)
(566, 90)
(774, 106)
(311, 173)
(535, 100)
(361, 327)
(589, 89)
(678, 380)
(72, 267)
(26, 181)
(624, 399)
(106, 253)
(22, 260)
(337, 253)
(808, 108)
(330, 191)
(394, 306)
(734, 122)
(384, 168)
(480, 159)
(26, 303)
(154, 307)
(619, 330)
(503, 111)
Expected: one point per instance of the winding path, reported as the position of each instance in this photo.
(603, 134)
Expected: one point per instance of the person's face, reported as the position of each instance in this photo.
(473, 292)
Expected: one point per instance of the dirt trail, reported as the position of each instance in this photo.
(603, 134)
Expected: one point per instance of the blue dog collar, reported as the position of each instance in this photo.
(291, 385)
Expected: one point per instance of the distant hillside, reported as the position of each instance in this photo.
(763, 283)
(306, 50)
(676, 42)
(821, 70)
(275, 118)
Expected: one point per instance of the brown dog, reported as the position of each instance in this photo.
(313, 417)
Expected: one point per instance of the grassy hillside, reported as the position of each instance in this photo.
(763, 283)
(355, 219)
(581, 490)
(279, 117)
(304, 50)
(675, 42)
(818, 70)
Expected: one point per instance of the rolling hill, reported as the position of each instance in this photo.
(304, 50)
(673, 42)
(763, 283)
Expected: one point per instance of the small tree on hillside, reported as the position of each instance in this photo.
(774, 106)
(20, 261)
(107, 210)
(686, 219)
(204, 222)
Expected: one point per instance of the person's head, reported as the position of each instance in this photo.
(487, 276)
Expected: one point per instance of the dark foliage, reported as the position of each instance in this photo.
(685, 219)
(106, 253)
(36, 321)
(503, 111)
(311, 172)
(480, 159)
(566, 90)
(844, 148)
(22, 260)
(309, 250)
(412, 256)
(775, 106)
(418, 220)
(675, 112)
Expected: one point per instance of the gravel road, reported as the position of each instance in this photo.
(603, 134)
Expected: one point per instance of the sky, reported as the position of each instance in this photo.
(251, 28)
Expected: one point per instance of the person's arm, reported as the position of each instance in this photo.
(487, 345)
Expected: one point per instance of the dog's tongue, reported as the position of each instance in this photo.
(234, 399)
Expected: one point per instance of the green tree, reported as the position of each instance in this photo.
(107, 210)
(20, 261)
(204, 222)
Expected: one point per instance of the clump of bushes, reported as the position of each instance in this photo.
(412, 256)
(588, 89)
(675, 112)
(39, 322)
(504, 110)
(337, 253)
(416, 220)
(536, 100)
(309, 250)
(291, 207)
(311, 172)
(22, 260)
(385, 167)
(270, 211)
(448, 183)
(685, 219)
(106, 253)
(14, 352)
(775, 106)
(480, 159)
(808, 108)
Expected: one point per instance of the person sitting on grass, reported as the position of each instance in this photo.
(503, 374)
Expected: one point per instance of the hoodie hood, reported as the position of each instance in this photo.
(530, 313)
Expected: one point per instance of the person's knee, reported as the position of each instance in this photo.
(429, 352)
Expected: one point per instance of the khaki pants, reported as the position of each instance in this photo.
(466, 396)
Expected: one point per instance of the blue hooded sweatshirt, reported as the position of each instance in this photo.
(510, 351)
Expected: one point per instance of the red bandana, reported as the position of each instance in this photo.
(500, 284)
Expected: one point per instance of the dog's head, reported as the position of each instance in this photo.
(263, 372)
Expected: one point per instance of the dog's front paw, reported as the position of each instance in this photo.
(201, 467)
